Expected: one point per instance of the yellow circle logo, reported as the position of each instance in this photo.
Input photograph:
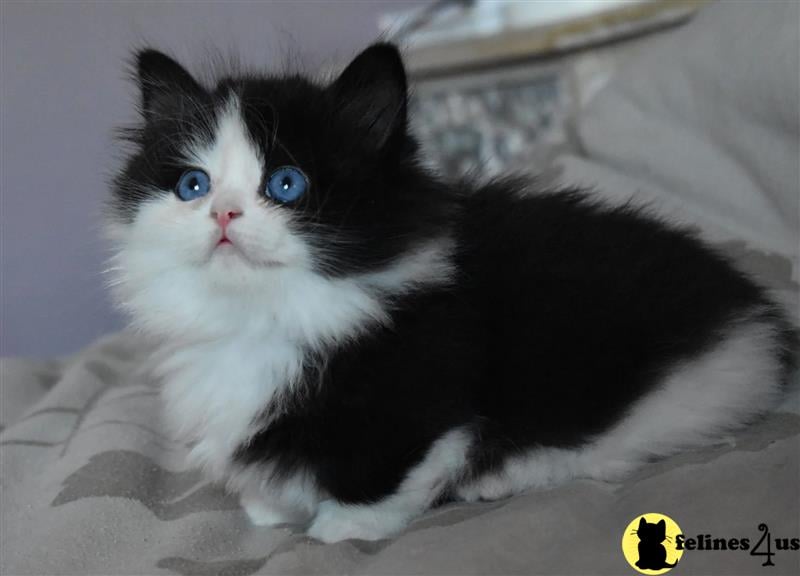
(649, 543)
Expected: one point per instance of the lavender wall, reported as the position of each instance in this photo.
(62, 91)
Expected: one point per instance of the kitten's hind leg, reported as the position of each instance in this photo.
(698, 403)
(540, 468)
(443, 464)
(702, 400)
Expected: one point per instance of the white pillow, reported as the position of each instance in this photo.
(704, 122)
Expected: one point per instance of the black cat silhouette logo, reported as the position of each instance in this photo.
(649, 543)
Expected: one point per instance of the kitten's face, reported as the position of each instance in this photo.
(238, 188)
(233, 233)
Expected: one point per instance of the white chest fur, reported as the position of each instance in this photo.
(228, 350)
(214, 393)
(238, 353)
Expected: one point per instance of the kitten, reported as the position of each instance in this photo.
(346, 340)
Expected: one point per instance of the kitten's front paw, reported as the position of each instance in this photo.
(489, 487)
(609, 470)
(260, 514)
(335, 522)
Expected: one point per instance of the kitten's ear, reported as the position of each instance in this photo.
(662, 525)
(372, 94)
(642, 522)
(161, 79)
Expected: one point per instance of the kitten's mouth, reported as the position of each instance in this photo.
(226, 246)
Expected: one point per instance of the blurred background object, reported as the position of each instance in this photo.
(497, 81)
(450, 34)
(492, 122)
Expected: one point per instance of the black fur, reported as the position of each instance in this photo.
(545, 354)
(562, 312)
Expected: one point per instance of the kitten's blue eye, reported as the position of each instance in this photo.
(286, 184)
(193, 184)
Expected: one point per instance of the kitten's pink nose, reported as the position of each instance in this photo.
(224, 217)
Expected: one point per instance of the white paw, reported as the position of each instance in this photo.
(335, 522)
(490, 487)
(261, 514)
(610, 470)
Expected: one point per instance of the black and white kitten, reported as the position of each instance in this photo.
(347, 340)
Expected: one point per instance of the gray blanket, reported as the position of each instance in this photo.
(91, 484)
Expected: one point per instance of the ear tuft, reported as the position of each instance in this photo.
(160, 77)
(372, 93)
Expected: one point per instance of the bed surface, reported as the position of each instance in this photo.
(91, 483)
